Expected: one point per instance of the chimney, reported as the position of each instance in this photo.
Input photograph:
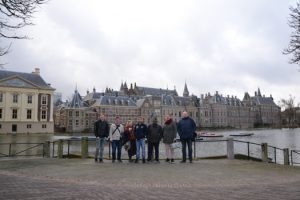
(36, 71)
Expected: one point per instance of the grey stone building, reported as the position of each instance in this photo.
(209, 111)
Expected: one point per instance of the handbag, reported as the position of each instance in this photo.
(176, 145)
(127, 145)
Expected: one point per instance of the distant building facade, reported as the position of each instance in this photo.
(26, 103)
(217, 111)
(209, 111)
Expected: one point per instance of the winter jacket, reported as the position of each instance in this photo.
(101, 129)
(140, 131)
(186, 128)
(154, 133)
(129, 134)
(116, 132)
(169, 132)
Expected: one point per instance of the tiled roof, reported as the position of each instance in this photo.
(77, 101)
(259, 100)
(35, 79)
(114, 101)
(155, 91)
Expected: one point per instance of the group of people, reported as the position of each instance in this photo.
(133, 137)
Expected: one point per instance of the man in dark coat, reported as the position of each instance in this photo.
(154, 136)
(101, 131)
(186, 128)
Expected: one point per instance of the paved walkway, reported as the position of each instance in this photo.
(205, 179)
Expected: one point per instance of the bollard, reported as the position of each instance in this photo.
(46, 148)
(286, 156)
(230, 148)
(60, 148)
(264, 152)
(84, 147)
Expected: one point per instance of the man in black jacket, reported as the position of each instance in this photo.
(154, 136)
(101, 130)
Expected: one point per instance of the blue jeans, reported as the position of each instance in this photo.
(100, 142)
(140, 144)
(116, 146)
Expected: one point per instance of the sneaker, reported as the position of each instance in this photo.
(144, 161)
(136, 161)
(100, 161)
(183, 161)
(172, 161)
(167, 160)
(96, 160)
(120, 161)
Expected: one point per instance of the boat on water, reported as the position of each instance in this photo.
(209, 135)
(242, 134)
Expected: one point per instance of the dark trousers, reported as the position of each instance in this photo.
(132, 150)
(116, 146)
(150, 150)
(187, 142)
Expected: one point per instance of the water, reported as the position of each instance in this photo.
(280, 138)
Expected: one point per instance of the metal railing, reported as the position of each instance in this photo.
(17, 150)
(69, 149)
(67, 143)
(293, 154)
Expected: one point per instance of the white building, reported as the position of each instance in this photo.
(26, 103)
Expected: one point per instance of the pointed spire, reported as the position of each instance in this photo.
(258, 92)
(125, 85)
(122, 87)
(76, 100)
(185, 91)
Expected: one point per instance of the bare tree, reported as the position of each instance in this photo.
(14, 15)
(290, 109)
(294, 44)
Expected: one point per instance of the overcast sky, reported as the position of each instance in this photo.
(230, 46)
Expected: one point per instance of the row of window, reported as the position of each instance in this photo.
(15, 98)
(29, 126)
(14, 114)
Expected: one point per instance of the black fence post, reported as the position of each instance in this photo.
(9, 150)
(292, 157)
(248, 148)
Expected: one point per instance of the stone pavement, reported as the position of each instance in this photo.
(39, 178)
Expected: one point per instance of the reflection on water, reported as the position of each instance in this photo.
(281, 138)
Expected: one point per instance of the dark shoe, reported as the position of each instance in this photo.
(157, 161)
(113, 161)
(100, 161)
(149, 160)
(96, 160)
(136, 161)
(144, 161)
(191, 161)
(172, 161)
(183, 161)
(120, 161)
(167, 160)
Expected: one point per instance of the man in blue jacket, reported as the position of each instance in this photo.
(186, 128)
(140, 131)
